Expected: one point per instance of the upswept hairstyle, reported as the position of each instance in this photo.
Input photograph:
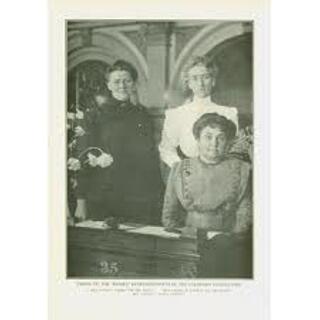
(122, 65)
(214, 120)
(197, 61)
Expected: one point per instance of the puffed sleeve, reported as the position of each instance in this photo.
(232, 114)
(244, 214)
(170, 139)
(173, 214)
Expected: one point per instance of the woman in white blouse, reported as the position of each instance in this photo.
(178, 141)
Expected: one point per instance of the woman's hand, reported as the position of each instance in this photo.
(81, 210)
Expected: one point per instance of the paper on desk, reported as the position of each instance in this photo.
(155, 231)
(99, 225)
(150, 230)
(212, 234)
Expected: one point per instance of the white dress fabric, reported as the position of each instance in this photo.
(178, 124)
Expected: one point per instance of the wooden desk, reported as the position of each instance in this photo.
(98, 253)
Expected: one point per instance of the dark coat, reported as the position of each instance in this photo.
(131, 187)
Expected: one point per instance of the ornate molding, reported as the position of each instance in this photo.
(156, 35)
(183, 36)
(138, 38)
(82, 54)
(86, 37)
(106, 46)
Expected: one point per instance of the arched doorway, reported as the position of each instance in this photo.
(86, 80)
(234, 85)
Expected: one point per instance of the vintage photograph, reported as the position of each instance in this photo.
(159, 122)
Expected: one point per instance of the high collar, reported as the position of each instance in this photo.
(118, 103)
(117, 107)
(200, 104)
(201, 101)
(207, 163)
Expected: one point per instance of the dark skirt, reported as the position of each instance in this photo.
(226, 256)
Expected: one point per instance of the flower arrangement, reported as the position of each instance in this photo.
(85, 83)
(243, 144)
(90, 157)
(102, 160)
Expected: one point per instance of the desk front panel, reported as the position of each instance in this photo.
(120, 254)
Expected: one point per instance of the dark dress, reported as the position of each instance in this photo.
(131, 187)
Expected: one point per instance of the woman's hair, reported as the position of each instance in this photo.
(121, 65)
(197, 61)
(214, 120)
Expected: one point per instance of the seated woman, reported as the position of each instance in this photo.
(213, 192)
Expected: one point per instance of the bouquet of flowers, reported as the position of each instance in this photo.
(90, 157)
(81, 157)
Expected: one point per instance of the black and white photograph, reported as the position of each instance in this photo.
(173, 146)
(160, 145)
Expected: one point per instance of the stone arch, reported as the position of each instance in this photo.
(108, 46)
(88, 53)
(234, 85)
(203, 42)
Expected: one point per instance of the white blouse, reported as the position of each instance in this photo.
(178, 124)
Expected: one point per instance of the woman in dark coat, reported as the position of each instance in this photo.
(129, 188)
